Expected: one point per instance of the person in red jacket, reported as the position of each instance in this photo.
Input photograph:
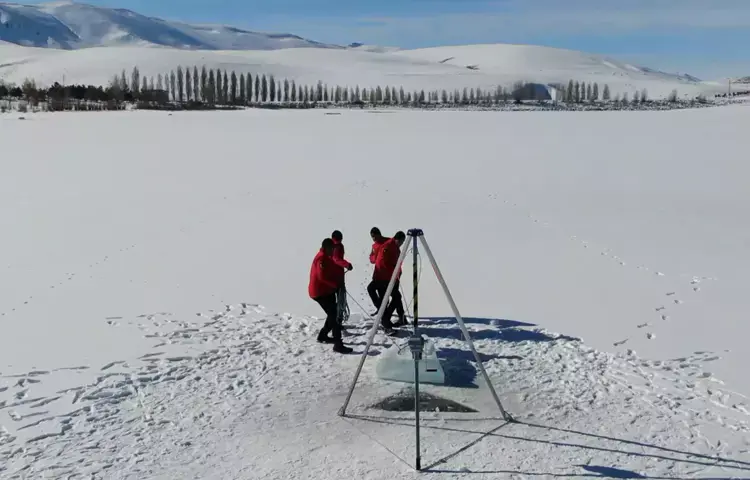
(322, 288)
(385, 264)
(376, 288)
(344, 266)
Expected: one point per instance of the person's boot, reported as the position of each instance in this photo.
(339, 347)
(324, 338)
(401, 322)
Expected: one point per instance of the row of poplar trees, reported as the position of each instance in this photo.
(217, 87)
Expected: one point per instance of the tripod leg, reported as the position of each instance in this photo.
(374, 329)
(462, 326)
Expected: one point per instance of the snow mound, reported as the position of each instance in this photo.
(71, 25)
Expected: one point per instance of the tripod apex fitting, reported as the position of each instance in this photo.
(415, 232)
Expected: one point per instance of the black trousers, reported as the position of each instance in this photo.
(329, 305)
(377, 290)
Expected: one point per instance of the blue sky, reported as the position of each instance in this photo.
(706, 38)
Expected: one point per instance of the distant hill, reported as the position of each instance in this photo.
(450, 68)
(70, 25)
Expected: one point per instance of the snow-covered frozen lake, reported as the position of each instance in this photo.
(131, 241)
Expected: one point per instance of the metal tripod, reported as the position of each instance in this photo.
(416, 341)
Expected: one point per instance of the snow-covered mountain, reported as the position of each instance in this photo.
(81, 43)
(71, 25)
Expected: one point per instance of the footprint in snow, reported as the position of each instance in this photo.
(650, 336)
(622, 342)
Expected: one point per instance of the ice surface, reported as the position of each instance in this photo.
(155, 320)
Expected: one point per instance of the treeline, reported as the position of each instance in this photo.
(738, 93)
(194, 88)
(221, 87)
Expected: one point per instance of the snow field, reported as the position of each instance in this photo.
(179, 340)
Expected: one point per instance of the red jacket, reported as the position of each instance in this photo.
(386, 260)
(341, 265)
(375, 247)
(322, 276)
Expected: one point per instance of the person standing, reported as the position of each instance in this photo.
(385, 264)
(344, 266)
(376, 288)
(322, 288)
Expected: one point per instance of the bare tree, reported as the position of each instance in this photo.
(242, 89)
(123, 82)
(188, 85)
(135, 81)
(595, 92)
(606, 94)
(172, 84)
(264, 89)
(196, 85)
(205, 95)
(225, 89)
(249, 88)
(219, 88)
(210, 92)
(180, 84)
(233, 93)
(272, 88)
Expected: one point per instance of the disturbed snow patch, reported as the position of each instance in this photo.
(239, 390)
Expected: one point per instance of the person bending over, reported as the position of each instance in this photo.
(385, 265)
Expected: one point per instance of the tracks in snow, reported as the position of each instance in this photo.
(673, 301)
(210, 374)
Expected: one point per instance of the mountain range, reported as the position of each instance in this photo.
(70, 25)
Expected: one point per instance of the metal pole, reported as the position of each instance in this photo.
(459, 319)
(414, 234)
(417, 343)
(374, 329)
(416, 411)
